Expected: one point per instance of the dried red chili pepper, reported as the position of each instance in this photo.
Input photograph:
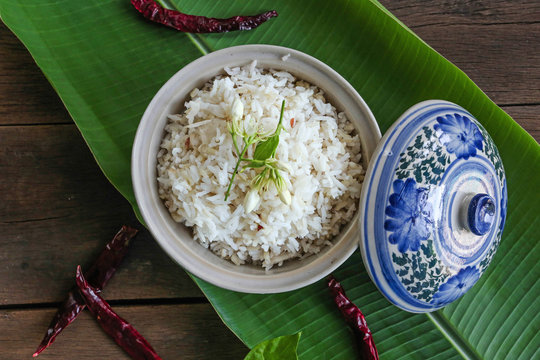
(123, 333)
(198, 24)
(98, 275)
(355, 319)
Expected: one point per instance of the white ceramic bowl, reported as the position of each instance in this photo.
(175, 238)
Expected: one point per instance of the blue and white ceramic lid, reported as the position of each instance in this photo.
(434, 203)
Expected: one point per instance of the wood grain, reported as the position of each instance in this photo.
(496, 43)
(189, 331)
(26, 97)
(501, 59)
(57, 210)
(418, 13)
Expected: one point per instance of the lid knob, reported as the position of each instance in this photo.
(481, 214)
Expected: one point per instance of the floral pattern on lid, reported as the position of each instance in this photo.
(456, 286)
(408, 219)
(459, 134)
(419, 243)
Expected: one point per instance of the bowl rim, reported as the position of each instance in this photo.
(192, 258)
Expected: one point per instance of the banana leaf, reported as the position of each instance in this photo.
(106, 62)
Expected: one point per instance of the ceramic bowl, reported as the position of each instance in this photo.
(175, 238)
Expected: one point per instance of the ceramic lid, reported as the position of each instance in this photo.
(435, 205)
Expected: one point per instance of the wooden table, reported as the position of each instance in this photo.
(57, 209)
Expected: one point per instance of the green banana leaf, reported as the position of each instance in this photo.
(106, 63)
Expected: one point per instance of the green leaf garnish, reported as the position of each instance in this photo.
(280, 348)
(266, 149)
(263, 156)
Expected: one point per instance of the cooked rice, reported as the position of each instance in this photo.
(197, 158)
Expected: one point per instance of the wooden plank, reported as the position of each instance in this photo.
(496, 43)
(503, 60)
(175, 331)
(422, 12)
(26, 97)
(57, 210)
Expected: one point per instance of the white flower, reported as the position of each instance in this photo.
(251, 126)
(285, 197)
(237, 110)
(281, 187)
(283, 166)
(279, 165)
(251, 201)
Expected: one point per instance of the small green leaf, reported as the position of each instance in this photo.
(280, 348)
(265, 149)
